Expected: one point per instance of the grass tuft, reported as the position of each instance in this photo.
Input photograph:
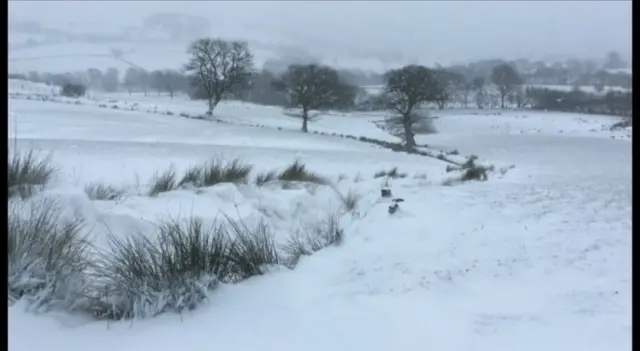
(192, 177)
(264, 178)
(163, 182)
(102, 191)
(351, 200)
(323, 234)
(26, 172)
(142, 278)
(253, 250)
(297, 171)
(47, 257)
(216, 172)
(392, 173)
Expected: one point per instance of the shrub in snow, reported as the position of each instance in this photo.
(625, 123)
(391, 173)
(475, 173)
(47, 258)
(297, 171)
(102, 191)
(470, 171)
(264, 178)
(350, 201)
(323, 234)
(216, 172)
(26, 172)
(162, 182)
(395, 205)
(73, 90)
(470, 163)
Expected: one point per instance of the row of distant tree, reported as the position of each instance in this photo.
(501, 88)
(219, 69)
(615, 103)
(614, 72)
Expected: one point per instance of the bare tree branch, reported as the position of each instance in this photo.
(218, 67)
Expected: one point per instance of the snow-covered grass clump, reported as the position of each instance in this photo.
(27, 171)
(47, 257)
(138, 277)
(53, 266)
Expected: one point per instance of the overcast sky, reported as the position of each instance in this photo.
(435, 31)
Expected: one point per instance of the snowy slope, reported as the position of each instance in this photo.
(536, 259)
(73, 57)
(78, 56)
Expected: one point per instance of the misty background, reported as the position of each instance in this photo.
(393, 32)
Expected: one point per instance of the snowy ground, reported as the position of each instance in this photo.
(539, 258)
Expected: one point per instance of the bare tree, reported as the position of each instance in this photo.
(131, 79)
(111, 80)
(506, 79)
(521, 98)
(478, 84)
(95, 78)
(614, 61)
(168, 81)
(260, 90)
(155, 81)
(466, 89)
(406, 88)
(448, 85)
(174, 81)
(313, 87)
(33, 76)
(144, 80)
(218, 67)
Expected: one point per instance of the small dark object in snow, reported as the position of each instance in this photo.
(397, 200)
(393, 208)
(386, 192)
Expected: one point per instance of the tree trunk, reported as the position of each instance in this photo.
(212, 105)
(171, 94)
(480, 99)
(409, 139)
(502, 96)
(305, 120)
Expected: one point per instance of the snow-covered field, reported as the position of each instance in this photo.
(79, 56)
(538, 257)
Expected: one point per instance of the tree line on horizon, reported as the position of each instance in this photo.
(218, 69)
